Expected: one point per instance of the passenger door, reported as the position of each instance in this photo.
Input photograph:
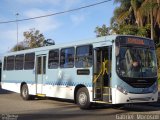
(102, 74)
(40, 73)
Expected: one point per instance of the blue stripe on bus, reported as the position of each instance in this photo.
(51, 83)
(68, 83)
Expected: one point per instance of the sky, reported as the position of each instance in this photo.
(63, 28)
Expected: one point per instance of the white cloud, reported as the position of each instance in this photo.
(33, 8)
(68, 4)
(9, 34)
(77, 19)
(43, 24)
(63, 3)
(27, 2)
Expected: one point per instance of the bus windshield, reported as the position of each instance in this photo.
(136, 62)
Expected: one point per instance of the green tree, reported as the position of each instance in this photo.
(140, 13)
(34, 38)
(124, 13)
(134, 30)
(123, 16)
(18, 47)
(102, 31)
(151, 10)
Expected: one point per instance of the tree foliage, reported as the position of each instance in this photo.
(134, 30)
(18, 47)
(102, 31)
(137, 15)
(34, 38)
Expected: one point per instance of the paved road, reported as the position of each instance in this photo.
(13, 107)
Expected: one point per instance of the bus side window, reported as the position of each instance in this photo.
(67, 58)
(19, 61)
(83, 56)
(29, 61)
(5, 63)
(53, 61)
(10, 62)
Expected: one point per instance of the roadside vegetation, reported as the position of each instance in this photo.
(158, 58)
(32, 39)
(135, 17)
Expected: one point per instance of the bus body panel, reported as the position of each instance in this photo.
(18, 77)
(61, 82)
(120, 98)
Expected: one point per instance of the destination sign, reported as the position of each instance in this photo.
(134, 41)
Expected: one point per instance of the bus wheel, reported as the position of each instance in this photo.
(83, 99)
(24, 92)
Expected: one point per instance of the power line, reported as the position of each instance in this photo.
(62, 12)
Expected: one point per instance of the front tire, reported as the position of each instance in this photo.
(83, 99)
(25, 93)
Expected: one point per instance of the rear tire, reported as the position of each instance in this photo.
(25, 93)
(82, 98)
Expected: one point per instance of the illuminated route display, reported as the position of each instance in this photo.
(135, 41)
(129, 41)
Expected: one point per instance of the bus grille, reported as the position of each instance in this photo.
(140, 99)
(141, 85)
(140, 82)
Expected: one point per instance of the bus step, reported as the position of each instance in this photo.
(106, 97)
(98, 90)
(41, 95)
(106, 90)
(98, 95)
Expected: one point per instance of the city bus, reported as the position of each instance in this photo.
(114, 69)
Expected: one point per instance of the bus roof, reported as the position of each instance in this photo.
(69, 44)
(63, 45)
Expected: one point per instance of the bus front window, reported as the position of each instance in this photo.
(136, 62)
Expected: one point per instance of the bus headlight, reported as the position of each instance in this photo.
(155, 87)
(122, 90)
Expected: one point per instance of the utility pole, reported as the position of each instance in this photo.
(17, 28)
(152, 29)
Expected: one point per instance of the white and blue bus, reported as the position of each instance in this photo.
(114, 69)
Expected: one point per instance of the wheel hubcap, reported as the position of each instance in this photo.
(25, 92)
(82, 98)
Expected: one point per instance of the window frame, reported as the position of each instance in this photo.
(5, 63)
(33, 61)
(62, 66)
(89, 45)
(8, 65)
(49, 59)
(19, 68)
